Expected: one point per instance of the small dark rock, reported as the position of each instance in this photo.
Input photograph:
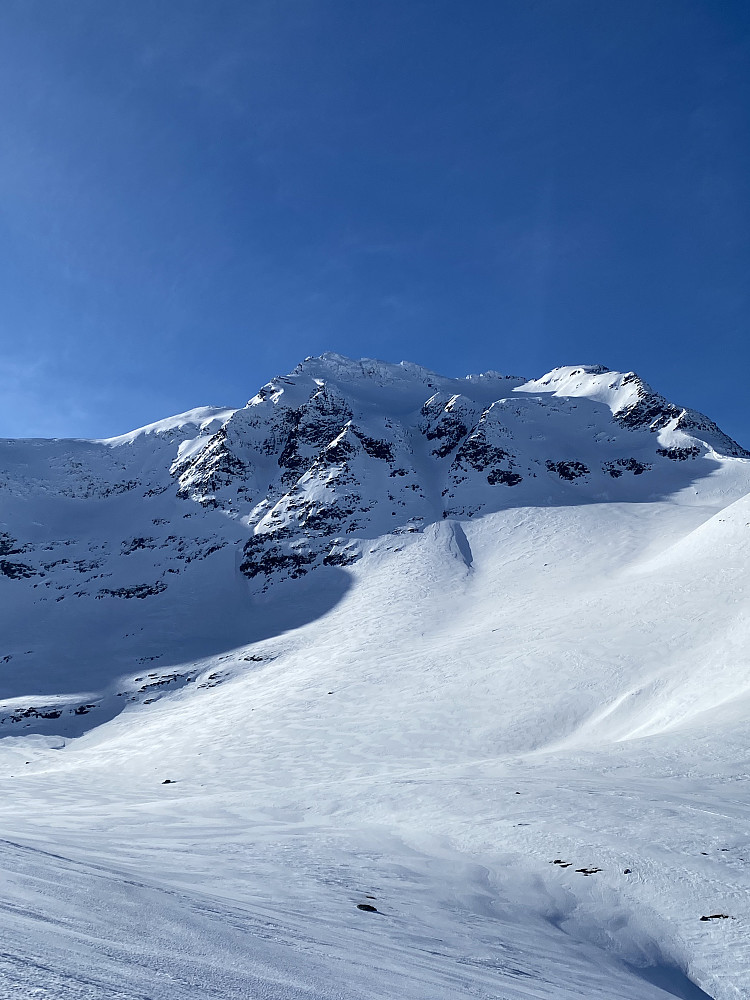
(679, 454)
(568, 470)
(504, 478)
(168, 781)
(371, 909)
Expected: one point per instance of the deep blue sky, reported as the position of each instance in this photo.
(196, 195)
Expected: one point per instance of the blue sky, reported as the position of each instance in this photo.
(196, 195)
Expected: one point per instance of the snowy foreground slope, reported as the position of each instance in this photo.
(470, 651)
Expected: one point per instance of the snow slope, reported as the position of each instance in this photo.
(470, 651)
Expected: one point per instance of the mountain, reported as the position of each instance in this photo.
(196, 514)
(473, 649)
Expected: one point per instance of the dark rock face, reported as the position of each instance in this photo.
(651, 411)
(36, 713)
(450, 433)
(375, 448)
(216, 466)
(679, 454)
(8, 546)
(504, 478)
(568, 470)
(271, 559)
(446, 422)
(448, 430)
(133, 544)
(141, 590)
(481, 452)
(616, 468)
(16, 570)
(478, 454)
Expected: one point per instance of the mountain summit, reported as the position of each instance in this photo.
(340, 449)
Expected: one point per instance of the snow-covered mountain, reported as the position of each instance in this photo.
(351, 622)
(215, 505)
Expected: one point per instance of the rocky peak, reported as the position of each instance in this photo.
(340, 448)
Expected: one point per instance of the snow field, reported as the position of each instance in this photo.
(454, 684)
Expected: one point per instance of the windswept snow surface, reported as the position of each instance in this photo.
(472, 652)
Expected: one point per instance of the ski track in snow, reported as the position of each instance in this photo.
(512, 716)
